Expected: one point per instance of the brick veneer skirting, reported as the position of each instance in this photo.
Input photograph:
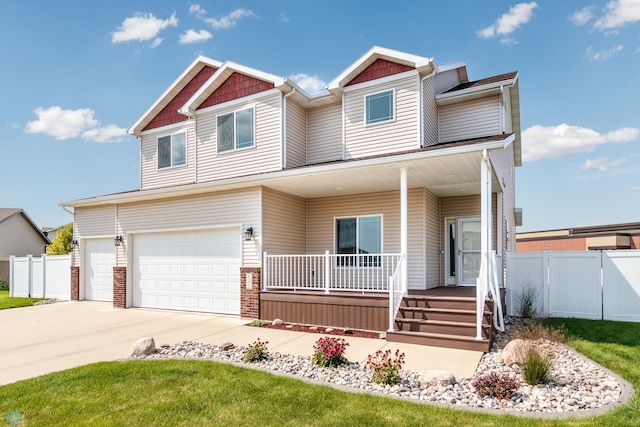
(75, 283)
(250, 292)
(120, 287)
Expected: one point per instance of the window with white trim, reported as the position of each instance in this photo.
(172, 150)
(236, 130)
(379, 107)
(359, 235)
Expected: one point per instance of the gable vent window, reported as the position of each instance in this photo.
(379, 107)
(236, 130)
(172, 150)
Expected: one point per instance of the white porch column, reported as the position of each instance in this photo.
(485, 212)
(403, 223)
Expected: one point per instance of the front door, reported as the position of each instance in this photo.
(462, 251)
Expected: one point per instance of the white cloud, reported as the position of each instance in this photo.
(601, 163)
(311, 84)
(619, 13)
(109, 133)
(13, 125)
(592, 55)
(637, 187)
(506, 24)
(284, 17)
(142, 27)
(64, 124)
(540, 142)
(230, 20)
(156, 42)
(582, 16)
(196, 9)
(193, 36)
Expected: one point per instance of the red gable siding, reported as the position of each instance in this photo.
(380, 68)
(169, 114)
(236, 86)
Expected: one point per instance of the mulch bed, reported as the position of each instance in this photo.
(322, 330)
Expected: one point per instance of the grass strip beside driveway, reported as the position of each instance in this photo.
(13, 302)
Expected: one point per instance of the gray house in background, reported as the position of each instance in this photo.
(19, 236)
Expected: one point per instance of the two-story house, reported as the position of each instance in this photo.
(345, 208)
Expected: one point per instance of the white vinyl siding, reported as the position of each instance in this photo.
(502, 163)
(323, 212)
(471, 119)
(296, 135)
(264, 156)
(18, 238)
(386, 137)
(222, 209)
(324, 134)
(96, 221)
(154, 177)
(284, 223)
(433, 241)
(446, 80)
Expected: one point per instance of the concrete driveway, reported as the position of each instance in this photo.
(48, 338)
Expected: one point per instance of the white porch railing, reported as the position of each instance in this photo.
(397, 291)
(487, 285)
(330, 272)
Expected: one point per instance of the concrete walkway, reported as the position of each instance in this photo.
(48, 338)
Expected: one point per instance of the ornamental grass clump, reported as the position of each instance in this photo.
(385, 368)
(536, 367)
(329, 352)
(495, 385)
(256, 352)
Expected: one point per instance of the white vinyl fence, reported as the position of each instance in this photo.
(40, 277)
(587, 285)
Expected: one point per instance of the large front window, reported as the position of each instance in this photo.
(235, 130)
(359, 236)
(172, 150)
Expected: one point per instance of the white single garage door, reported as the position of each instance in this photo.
(188, 270)
(100, 258)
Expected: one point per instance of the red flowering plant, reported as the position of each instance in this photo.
(385, 368)
(329, 352)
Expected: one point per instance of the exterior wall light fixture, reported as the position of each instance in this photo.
(248, 233)
(118, 240)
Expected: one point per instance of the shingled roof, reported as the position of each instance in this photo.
(483, 82)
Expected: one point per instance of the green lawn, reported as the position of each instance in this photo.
(7, 302)
(179, 392)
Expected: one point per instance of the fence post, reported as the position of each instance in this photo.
(327, 271)
(265, 271)
(546, 286)
(12, 260)
(44, 275)
(29, 275)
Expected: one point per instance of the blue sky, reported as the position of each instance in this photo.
(76, 74)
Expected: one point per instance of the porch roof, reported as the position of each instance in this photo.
(451, 169)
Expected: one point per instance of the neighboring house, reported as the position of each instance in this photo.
(260, 200)
(50, 232)
(19, 236)
(611, 236)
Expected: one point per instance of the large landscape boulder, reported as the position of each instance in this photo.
(514, 352)
(143, 347)
(437, 377)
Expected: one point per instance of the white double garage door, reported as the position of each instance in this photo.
(194, 270)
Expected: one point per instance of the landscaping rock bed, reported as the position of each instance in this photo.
(321, 330)
(577, 383)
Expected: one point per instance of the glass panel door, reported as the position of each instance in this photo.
(469, 250)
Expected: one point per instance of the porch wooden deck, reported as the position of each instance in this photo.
(442, 316)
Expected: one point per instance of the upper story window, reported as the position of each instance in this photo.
(359, 235)
(379, 107)
(172, 150)
(236, 130)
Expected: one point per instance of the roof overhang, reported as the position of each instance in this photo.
(453, 170)
(422, 64)
(174, 88)
(493, 88)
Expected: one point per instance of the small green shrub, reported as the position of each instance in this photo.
(385, 369)
(494, 385)
(528, 300)
(4, 285)
(329, 352)
(256, 352)
(258, 323)
(536, 367)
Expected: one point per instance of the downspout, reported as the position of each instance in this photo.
(422, 144)
(284, 128)
(503, 114)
